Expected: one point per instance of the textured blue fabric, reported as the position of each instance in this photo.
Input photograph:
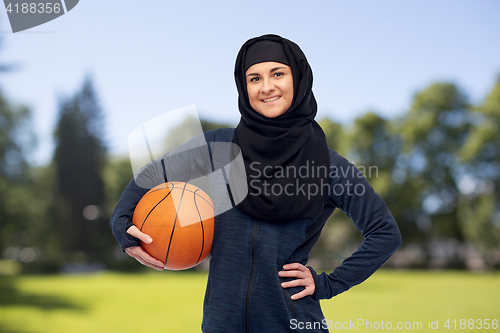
(243, 289)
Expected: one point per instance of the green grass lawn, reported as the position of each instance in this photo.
(172, 302)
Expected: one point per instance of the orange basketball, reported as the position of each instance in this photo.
(180, 219)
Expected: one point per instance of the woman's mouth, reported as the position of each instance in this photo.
(271, 100)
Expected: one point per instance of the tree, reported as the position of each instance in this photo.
(480, 179)
(433, 132)
(375, 146)
(24, 226)
(335, 136)
(374, 149)
(15, 140)
(79, 160)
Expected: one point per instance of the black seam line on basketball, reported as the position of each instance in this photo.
(186, 189)
(202, 229)
(142, 225)
(153, 191)
(189, 190)
(175, 222)
(208, 202)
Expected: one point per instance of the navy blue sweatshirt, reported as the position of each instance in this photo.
(244, 292)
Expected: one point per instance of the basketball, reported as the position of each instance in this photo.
(180, 219)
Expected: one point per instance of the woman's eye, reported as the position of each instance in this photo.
(278, 74)
(254, 79)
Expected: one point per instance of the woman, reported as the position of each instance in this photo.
(258, 281)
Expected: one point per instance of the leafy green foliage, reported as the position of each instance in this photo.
(17, 205)
(432, 132)
(480, 205)
(79, 160)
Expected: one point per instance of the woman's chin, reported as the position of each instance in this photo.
(271, 112)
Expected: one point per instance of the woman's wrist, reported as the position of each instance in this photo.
(316, 282)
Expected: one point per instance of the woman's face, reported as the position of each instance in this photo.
(270, 88)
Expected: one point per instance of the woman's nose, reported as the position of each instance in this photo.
(267, 86)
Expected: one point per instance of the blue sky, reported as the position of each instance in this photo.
(147, 58)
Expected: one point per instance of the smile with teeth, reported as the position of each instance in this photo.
(272, 99)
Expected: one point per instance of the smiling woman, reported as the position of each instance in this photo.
(258, 279)
(270, 88)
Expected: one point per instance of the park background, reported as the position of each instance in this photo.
(412, 88)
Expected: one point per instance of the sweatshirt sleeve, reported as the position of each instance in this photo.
(189, 161)
(351, 192)
(121, 219)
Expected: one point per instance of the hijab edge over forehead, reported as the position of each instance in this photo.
(265, 51)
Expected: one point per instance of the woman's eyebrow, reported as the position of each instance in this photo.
(271, 71)
(276, 68)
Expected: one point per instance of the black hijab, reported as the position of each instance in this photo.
(286, 158)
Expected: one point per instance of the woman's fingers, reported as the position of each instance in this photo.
(139, 254)
(303, 293)
(145, 263)
(294, 270)
(294, 283)
(304, 278)
(134, 231)
(295, 265)
(138, 251)
(144, 258)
